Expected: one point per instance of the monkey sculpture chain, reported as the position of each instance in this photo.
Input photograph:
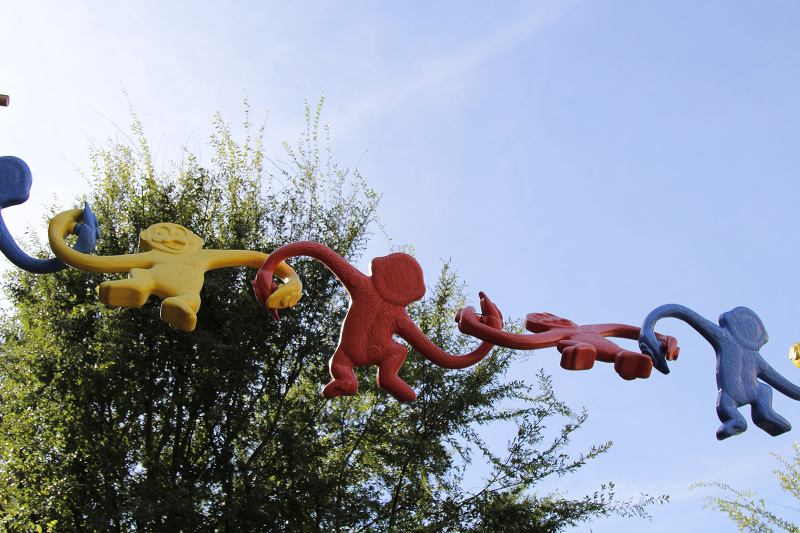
(172, 266)
(377, 312)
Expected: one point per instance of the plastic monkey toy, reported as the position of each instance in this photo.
(172, 266)
(377, 314)
(743, 376)
(580, 345)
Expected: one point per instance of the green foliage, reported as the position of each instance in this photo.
(747, 510)
(111, 421)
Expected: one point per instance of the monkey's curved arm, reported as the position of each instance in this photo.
(264, 287)
(15, 186)
(286, 295)
(770, 376)
(649, 343)
(409, 331)
(669, 344)
(621, 331)
(470, 323)
(67, 222)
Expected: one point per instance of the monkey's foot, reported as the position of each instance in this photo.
(399, 389)
(178, 314)
(578, 357)
(633, 365)
(771, 422)
(339, 387)
(122, 294)
(774, 428)
(731, 428)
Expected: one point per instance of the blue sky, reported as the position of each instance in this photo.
(590, 159)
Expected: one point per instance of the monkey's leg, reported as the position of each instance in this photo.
(131, 292)
(180, 312)
(630, 365)
(344, 380)
(576, 355)
(732, 420)
(387, 378)
(765, 417)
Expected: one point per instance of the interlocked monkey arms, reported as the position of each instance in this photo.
(377, 312)
(579, 346)
(172, 267)
(736, 342)
(15, 189)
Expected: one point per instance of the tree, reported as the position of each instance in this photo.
(747, 510)
(113, 421)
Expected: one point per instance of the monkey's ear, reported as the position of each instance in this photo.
(398, 278)
(746, 327)
(196, 239)
(541, 322)
(143, 238)
(15, 181)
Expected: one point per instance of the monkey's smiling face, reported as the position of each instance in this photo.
(170, 238)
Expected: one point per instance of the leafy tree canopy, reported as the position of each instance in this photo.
(111, 421)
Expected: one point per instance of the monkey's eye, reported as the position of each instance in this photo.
(179, 232)
(162, 230)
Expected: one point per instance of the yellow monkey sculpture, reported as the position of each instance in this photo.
(172, 266)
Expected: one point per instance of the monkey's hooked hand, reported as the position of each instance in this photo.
(284, 295)
(88, 231)
(273, 296)
(659, 350)
(490, 314)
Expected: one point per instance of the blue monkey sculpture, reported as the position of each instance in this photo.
(15, 188)
(736, 341)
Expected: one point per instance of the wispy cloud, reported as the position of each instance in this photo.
(429, 76)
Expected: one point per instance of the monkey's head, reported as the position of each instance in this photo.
(170, 238)
(746, 327)
(397, 278)
(541, 322)
(15, 181)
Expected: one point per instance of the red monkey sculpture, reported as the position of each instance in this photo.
(579, 346)
(377, 312)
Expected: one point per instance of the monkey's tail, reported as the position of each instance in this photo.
(263, 285)
(439, 357)
(420, 342)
